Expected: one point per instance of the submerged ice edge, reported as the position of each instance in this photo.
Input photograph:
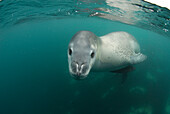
(135, 12)
(138, 13)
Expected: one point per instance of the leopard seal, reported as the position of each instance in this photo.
(113, 51)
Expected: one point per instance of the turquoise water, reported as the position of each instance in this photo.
(34, 75)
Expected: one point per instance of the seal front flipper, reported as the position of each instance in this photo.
(124, 70)
(137, 58)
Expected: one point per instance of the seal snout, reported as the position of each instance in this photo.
(79, 69)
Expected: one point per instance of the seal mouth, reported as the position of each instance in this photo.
(78, 76)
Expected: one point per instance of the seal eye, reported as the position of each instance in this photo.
(69, 51)
(92, 54)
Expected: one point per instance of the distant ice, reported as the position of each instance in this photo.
(162, 3)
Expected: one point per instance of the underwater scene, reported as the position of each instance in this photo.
(34, 70)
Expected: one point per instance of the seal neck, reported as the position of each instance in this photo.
(98, 54)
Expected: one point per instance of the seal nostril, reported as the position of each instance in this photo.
(79, 67)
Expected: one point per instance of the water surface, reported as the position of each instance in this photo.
(34, 76)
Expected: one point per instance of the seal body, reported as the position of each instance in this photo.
(116, 50)
(110, 52)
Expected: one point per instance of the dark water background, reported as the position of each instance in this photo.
(34, 76)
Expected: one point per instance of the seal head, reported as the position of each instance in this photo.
(82, 53)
